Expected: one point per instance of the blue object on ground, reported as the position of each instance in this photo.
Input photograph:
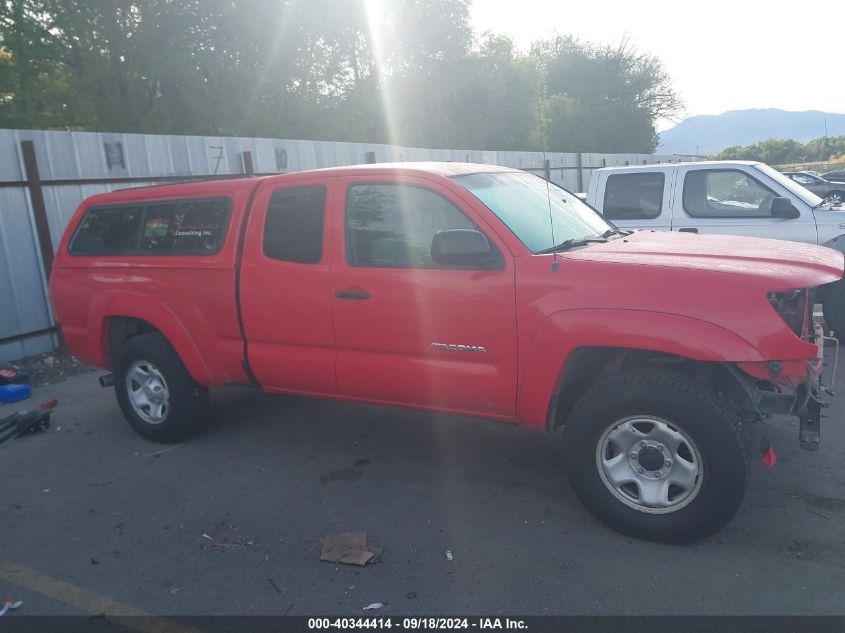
(14, 393)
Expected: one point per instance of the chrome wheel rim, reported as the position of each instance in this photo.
(148, 392)
(649, 464)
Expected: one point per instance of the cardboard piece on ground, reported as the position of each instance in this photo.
(348, 547)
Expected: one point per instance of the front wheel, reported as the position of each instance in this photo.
(655, 455)
(836, 197)
(155, 392)
(833, 309)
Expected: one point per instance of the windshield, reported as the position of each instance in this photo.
(522, 201)
(804, 194)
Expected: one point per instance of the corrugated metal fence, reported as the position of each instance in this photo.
(44, 175)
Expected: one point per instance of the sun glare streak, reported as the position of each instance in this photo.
(281, 32)
(430, 384)
(424, 321)
(375, 10)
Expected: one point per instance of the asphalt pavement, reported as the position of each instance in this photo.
(475, 517)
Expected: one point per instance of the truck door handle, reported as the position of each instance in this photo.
(688, 230)
(346, 294)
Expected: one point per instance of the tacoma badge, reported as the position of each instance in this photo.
(448, 347)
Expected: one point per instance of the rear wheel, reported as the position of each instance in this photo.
(655, 455)
(156, 393)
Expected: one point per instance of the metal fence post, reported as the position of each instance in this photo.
(39, 209)
(371, 158)
(547, 169)
(249, 169)
(579, 162)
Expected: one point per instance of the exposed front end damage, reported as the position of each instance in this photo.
(793, 387)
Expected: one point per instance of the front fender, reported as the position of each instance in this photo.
(563, 332)
(146, 308)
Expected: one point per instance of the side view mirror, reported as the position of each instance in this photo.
(784, 209)
(464, 247)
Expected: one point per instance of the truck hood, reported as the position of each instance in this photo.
(782, 264)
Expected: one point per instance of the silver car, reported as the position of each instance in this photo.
(832, 190)
(838, 175)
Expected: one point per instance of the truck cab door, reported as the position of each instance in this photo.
(285, 286)
(410, 331)
(637, 199)
(735, 201)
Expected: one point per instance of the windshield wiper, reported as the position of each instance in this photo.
(567, 244)
(611, 232)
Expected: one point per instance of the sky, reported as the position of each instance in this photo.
(721, 55)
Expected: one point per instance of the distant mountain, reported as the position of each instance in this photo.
(710, 134)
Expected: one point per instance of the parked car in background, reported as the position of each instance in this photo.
(819, 186)
(838, 175)
(462, 288)
(736, 197)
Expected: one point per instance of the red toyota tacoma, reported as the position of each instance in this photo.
(472, 289)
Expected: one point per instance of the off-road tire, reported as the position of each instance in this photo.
(685, 403)
(188, 401)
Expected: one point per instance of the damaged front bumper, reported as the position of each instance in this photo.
(813, 392)
(792, 388)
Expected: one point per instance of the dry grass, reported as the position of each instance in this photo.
(836, 162)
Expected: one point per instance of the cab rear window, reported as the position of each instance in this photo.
(173, 227)
(637, 196)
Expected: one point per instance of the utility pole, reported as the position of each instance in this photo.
(826, 145)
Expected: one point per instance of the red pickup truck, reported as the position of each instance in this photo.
(463, 288)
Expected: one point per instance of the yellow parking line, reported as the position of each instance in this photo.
(87, 601)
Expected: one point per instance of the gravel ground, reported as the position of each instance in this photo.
(48, 369)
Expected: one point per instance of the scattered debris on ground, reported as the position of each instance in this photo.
(14, 393)
(11, 376)
(225, 537)
(375, 605)
(8, 605)
(24, 423)
(348, 547)
(158, 454)
(449, 555)
(47, 369)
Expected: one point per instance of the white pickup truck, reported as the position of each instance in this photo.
(735, 197)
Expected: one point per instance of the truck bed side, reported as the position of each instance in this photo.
(189, 298)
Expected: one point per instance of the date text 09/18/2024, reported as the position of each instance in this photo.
(417, 623)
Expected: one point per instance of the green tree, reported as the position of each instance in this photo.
(32, 86)
(402, 71)
(617, 94)
(484, 99)
(825, 148)
(787, 151)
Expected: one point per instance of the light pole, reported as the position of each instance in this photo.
(826, 145)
